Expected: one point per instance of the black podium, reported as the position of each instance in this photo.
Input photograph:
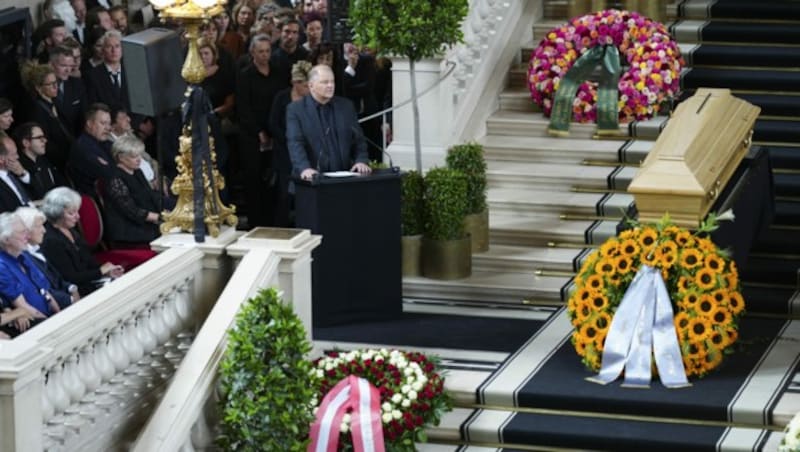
(356, 270)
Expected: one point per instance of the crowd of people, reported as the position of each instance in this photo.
(72, 136)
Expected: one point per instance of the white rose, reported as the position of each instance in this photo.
(412, 395)
(409, 371)
(405, 403)
(397, 414)
(417, 386)
(344, 428)
(397, 398)
(405, 389)
(386, 406)
(379, 359)
(320, 373)
(386, 418)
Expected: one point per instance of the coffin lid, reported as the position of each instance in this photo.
(704, 134)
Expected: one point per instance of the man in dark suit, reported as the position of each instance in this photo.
(90, 156)
(106, 83)
(322, 131)
(71, 99)
(12, 177)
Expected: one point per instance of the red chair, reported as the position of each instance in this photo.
(91, 224)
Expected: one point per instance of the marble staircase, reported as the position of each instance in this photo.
(549, 199)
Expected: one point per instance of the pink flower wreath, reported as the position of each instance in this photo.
(653, 59)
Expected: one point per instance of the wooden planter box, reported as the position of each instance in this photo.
(704, 141)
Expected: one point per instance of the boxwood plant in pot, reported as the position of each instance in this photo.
(446, 249)
(266, 383)
(468, 158)
(411, 190)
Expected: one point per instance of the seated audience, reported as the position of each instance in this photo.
(22, 284)
(131, 206)
(33, 219)
(41, 82)
(90, 156)
(65, 247)
(121, 125)
(6, 114)
(13, 177)
(31, 146)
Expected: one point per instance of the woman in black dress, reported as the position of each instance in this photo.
(40, 81)
(66, 249)
(131, 206)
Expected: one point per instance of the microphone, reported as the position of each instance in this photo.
(360, 134)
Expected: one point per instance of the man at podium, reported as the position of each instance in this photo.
(322, 131)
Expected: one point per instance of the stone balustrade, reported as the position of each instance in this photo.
(265, 257)
(83, 379)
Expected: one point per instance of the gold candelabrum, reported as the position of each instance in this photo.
(191, 13)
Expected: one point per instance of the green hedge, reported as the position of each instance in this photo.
(468, 158)
(266, 380)
(412, 187)
(445, 202)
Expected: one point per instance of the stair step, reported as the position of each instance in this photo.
(512, 229)
(518, 78)
(550, 430)
(784, 157)
(782, 11)
(526, 202)
(776, 131)
(741, 79)
(739, 56)
(518, 99)
(535, 125)
(787, 184)
(511, 174)
(698, 31)
(546, 149)
(772, 105)
(500, 258)
(489, 287)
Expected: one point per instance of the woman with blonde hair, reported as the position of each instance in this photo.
(41, 83)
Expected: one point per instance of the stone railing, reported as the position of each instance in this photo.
(457, 110)
(186, 416)
(84, 379)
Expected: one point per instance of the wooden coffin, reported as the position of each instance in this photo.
(704, 141)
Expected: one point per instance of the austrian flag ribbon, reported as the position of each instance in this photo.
(363, 400)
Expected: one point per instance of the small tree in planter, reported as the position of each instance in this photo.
(265, 379)
(468, 158)
(415, 29)
(446, 250)
(411, 191)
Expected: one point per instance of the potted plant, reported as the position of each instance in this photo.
(415, 29)
(468, 158)
(265, 379)
(411, 190)
(446, 248)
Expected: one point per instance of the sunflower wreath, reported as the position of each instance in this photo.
(652, 58)
(701, 279)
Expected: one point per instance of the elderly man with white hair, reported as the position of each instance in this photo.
(22, 284)
(33, 219)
